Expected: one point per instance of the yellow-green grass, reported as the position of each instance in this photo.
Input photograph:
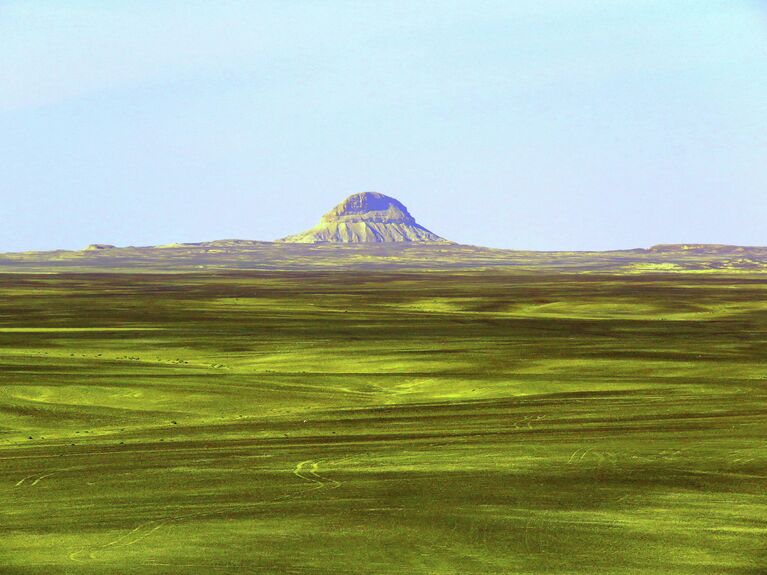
(327, 422)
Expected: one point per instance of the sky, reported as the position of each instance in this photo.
(540, 124)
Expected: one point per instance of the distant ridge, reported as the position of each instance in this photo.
(368, 217)
(706, 249)
(233, 254)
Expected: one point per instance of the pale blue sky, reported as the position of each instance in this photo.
(543, 124)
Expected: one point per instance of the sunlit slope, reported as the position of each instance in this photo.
(367, 217)
(452, 422)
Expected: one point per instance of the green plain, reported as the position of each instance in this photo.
(444, 422)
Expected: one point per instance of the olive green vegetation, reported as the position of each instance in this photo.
(381, 422)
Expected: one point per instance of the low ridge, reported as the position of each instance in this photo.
(99, 247)
(368, 217)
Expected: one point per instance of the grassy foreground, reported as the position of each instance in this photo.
(435, 423)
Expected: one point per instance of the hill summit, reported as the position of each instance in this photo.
(368, 217)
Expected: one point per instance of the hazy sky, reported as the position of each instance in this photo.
(545, 124)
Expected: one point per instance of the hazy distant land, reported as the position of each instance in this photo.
(255, 255)
(374, 231)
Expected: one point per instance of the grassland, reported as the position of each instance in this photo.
(449, 422)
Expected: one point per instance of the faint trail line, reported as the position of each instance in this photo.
(306, 475)
(136, 534)
(320, 481)
(118, 542)
(569, 461)
(527, 419)
(126, 535)
(742, 460)
(328, 482)
(36, 481)
(137, 539)
(18, 483)
(584, 453)
(40, 476)
(73, 556)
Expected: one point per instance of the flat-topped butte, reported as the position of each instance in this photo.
(368, 217)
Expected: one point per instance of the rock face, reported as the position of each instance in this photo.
(99, 247)
(368, 217)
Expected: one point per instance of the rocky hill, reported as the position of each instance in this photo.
(368, 217)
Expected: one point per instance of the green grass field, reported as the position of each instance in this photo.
(368, 422)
